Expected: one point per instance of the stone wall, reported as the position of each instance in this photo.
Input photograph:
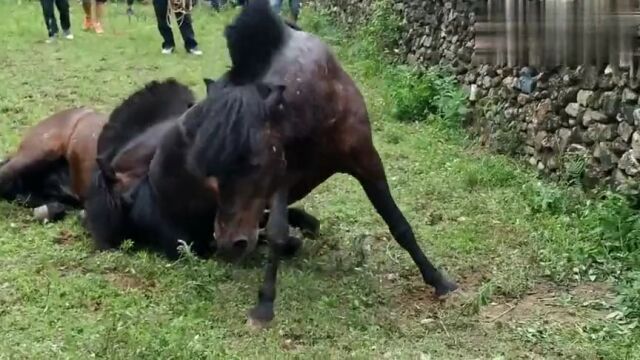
(581, 119)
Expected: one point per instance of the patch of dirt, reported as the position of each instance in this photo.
(589, 292)
(130, 282)
(94, 305)
(66, 237)
(415, 299)
(549, 304)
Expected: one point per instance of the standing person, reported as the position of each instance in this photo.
(294, 6)
(50, 18)
(94, 11)
(161, 9)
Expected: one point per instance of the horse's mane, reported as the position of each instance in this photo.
(154, 103)
(228, 125)
(253, 39)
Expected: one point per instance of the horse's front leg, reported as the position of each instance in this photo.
(278, 236)
(369, 171)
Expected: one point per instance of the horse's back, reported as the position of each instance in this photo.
(327, 123)
(54, 150)
(82, 148)
(52, 133)
(323, 99)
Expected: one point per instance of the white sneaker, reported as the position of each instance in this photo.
(195, 51)
(50, 40)
(68, 35)
(167, 51)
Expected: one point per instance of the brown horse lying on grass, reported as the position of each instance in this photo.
(54, 162)
(53, 166)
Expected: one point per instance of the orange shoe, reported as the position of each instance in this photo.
(87, 25)
(98, 28)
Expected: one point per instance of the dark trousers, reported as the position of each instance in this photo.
(216, 4)
(186, 29)
(50, 16)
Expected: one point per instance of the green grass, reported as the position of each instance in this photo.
(511, 242)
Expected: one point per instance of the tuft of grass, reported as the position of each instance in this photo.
(432, 95)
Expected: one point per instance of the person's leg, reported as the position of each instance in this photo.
(129, 7)
(160, 8)
(88, 17)
(49, 17)
(276, 5)
(101, 9)
(186, 30)
(294, 6)
(65, 23)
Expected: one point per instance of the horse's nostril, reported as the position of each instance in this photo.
(240, 245)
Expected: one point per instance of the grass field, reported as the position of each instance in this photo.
(352, 293)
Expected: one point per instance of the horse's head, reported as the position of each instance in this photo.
(237, 148)
(106, 207)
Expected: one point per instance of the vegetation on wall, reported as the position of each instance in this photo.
(593, 236)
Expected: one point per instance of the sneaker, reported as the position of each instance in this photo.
(67, 35)
(50, 39)
(167, 51)
(98, 28)
(87, 24)
(195, 51)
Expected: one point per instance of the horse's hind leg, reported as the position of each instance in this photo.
(18, 166)
(53, 211)
(369, 171)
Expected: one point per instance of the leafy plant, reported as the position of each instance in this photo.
(422, 95)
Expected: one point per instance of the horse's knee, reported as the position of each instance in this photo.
(290, 247)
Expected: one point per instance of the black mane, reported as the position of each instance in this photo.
(227, 125)
(253, 39)
(156, 102)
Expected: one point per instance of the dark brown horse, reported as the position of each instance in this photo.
(143, 188)
(54, 162)
(322, 129)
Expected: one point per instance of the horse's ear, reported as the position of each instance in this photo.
(208, 83)
(106, 170)
(273, 94)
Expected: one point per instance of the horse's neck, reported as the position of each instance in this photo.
(144, 207)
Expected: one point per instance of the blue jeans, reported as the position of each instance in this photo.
(294, 6)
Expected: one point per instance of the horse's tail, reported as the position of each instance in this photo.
(253, 39)
(154, 103)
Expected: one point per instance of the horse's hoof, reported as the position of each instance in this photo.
(257, 324)
(260, 317)
(41, 213)
(445, 288)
